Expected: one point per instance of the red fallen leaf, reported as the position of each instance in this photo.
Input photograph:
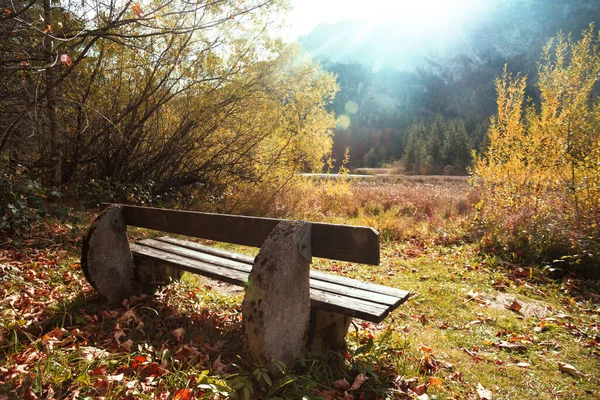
(514, 306)
(99, 371)
(182, 394)
(138, 361)
(65, 60)
(102, 386)
(420, 390)
(29, 395)
(137, 9)
(152, 369)
(6, 10)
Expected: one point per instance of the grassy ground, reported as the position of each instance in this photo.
(475, 327)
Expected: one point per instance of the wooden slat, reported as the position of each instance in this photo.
(359, 294)
(353, 283)
(338, 242)
(237, 273)
(196, 255)
(208, 249)
(348, 306)
(346, 287)
(229, 275)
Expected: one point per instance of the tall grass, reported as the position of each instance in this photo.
(405, 209)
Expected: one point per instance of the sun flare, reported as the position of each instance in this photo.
(410, 17)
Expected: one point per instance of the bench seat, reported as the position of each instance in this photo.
(366, 301)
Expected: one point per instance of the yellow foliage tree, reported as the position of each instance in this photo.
(540, 178)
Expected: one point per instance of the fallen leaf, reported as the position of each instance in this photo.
(99, 371)
(138, 361)
(436, 382)
(115, 378)
(514, 306)
(358, 381)
(570, 370)
(425, 349)
(152, 370)
(91, 353)
(182, 394)
(341, 385)
(178, 334)
(126, 345)
(512, 346)
(472, 295)
(218, 367)
(420, 390)
(483, 393)
(523, 365)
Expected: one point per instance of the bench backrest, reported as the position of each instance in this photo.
(337, 242)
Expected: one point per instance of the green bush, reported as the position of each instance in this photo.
(22, 201)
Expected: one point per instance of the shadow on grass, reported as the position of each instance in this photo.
(167, 320)
(198, 330)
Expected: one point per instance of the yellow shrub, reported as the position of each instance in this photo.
(540, 178)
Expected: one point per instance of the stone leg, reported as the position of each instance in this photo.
(328, 331)
(276, 307)
(151, 275)
(106, 259)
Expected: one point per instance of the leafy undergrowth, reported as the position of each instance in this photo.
(474, 328)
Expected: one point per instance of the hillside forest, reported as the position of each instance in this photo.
(431, 111)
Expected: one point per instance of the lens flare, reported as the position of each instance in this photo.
(351, 107)
(343, 122)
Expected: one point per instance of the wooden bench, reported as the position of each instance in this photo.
(287, 308)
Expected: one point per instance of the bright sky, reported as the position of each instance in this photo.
(413, 16)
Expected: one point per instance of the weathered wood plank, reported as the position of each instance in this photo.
(348, 306)
(346, 287)
(339, 242)
(353, 283)
(196, 255)
(229, 275)
(321, 299)
(208, 249)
